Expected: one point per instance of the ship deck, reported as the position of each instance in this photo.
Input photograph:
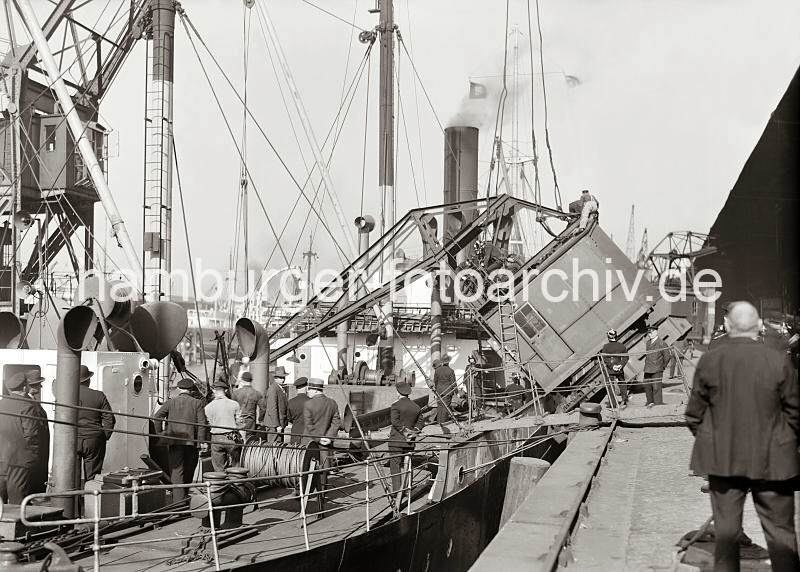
(276, 530)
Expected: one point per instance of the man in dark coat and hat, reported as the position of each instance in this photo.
(250, 400)
(20, 426)
(296, 407)
(276, 405)
(186, 431)
(444, 382)
(41, 472)
(95, 425)
(406, 424)
(744, 412)
(656, 359)
(322, 423)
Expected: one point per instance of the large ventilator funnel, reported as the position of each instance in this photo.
(75, 333)
(159, 327)
(254, 343)
(12, 331)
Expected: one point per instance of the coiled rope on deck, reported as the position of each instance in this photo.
(275, 460)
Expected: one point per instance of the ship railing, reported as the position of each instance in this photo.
(209, 489)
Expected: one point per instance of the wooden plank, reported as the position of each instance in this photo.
(532, 539)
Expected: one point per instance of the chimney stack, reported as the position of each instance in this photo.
(460, 175)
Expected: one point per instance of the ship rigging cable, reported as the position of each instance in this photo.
(501, 105)
(342, 112)
(331, 14)
(556, 190)
(189, 255)
(536, 181)
(236, 144)
(187, 23)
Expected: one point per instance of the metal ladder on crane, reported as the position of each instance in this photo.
(509, 340)
(509, 343)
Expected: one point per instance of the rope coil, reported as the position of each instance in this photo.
(264, 459)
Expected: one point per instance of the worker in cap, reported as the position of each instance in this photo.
(41, 472)
(250, 401)
(444, 382)
(589, 205)
(321, 424)
(21, 423)
(406, 424)
(225, 420)
(615, 357)
(657, 356)
(95, 425)
(185, 434)
(276, 406)
(295, 409)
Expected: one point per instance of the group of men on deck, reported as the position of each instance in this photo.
(188, 425)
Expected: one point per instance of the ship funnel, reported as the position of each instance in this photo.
(11, 331)
(75, 332)
(254, 343)
(159, 327)
(460, 176)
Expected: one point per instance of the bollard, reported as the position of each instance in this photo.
(589, 415)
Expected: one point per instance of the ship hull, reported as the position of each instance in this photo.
(445, 536)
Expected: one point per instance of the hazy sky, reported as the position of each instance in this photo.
(672, 98)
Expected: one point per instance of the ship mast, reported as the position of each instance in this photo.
(386, 29)
(157, 237)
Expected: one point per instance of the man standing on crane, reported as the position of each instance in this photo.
(615, 357)
(589, 204)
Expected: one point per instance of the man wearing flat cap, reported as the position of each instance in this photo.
(225, 420)
(41, 472)
(296, 407)
(322, 423)
(274, 417)
(20, 425)
(444, 382)
(406, 424)
(250, 400)
(186, 430)
(95, 425)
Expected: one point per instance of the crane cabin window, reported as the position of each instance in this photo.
(50, 138)
(529, 321)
